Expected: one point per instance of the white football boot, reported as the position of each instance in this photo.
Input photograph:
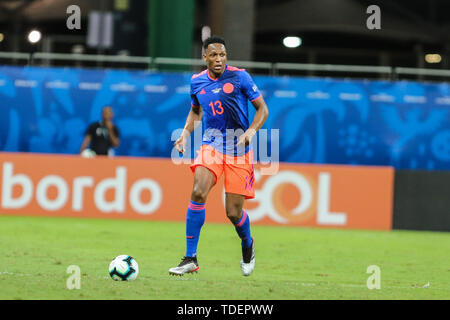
(187, 265)
(248, 259)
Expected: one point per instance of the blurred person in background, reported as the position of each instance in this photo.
(102, 136)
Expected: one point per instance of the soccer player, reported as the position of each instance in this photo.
(219, 96)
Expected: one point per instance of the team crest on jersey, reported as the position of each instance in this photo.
(217, 90)
(255, 88)
(228, 87)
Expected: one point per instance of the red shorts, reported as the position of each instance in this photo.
(238, 171)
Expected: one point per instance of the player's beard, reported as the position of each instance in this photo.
(216, 72)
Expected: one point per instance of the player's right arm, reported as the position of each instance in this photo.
(193, 120)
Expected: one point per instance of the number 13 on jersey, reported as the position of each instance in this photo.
(216, 107)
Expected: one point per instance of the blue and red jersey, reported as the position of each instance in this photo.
(224, 103)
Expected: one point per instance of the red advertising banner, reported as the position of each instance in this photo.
(356, 197)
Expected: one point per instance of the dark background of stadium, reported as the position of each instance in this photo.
(409, 29)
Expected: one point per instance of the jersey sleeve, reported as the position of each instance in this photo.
(194, 100)
(90, 131)
(248, 87)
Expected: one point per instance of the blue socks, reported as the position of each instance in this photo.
(243, 230)
(195, 218)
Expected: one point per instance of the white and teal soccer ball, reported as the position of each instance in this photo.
(124, 268)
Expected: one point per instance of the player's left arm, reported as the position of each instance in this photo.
(262, 112)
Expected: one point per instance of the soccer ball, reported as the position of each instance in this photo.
(88, 153)
(123, 268)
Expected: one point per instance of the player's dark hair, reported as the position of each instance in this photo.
(213, 39)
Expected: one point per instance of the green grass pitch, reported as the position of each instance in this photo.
(291, 263)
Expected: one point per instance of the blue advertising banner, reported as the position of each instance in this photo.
(401, 124)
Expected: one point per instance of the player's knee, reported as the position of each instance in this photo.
(233, 215)
(199, 195)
